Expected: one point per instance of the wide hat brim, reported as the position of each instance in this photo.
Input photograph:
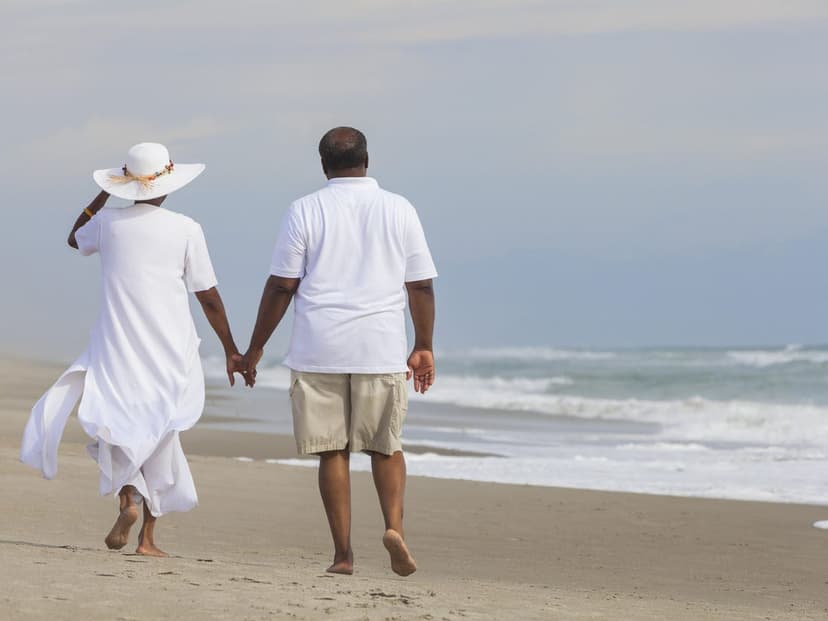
(180, 176)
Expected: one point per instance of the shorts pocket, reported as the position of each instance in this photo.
(294, 381)
(400, 407)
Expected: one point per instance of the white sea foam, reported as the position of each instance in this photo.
(711, 478)
(531, 353)
(762, 358)
(664, 446)
(713, 445)
(693, 419)
(501, 385)
(690, 419)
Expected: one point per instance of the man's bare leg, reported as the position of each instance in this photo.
(389, 479)
(335, 488)
(146, 541)
(127, 516)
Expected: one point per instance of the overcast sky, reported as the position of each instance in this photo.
(593, 173)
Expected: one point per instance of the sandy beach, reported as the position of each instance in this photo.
(257, 545)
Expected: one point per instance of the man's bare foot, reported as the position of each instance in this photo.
(119, 535)
(344, 566)
(401, 560)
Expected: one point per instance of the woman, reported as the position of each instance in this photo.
(139, 380)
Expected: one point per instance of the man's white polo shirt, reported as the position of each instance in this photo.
(354, 246)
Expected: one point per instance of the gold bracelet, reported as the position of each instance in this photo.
(88, 212)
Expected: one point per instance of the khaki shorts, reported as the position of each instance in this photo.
(360, 412)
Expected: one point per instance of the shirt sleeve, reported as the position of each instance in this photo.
(418, 262)
(289, 255)
(198, 269)
(89, 236)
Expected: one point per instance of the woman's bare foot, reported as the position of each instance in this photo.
(146, 540)
(119, 535)
(343, 566)
(401, 560)
(149, 549)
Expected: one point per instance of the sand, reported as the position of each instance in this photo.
(257, 545)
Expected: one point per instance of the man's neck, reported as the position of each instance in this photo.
(359, 171)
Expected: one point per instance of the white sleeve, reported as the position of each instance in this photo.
(418, 262)
(198, 269)
(89, 236)
(289, 255)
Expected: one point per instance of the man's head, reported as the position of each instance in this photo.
(344, 153)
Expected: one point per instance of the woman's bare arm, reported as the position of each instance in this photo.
(94, 207)
(213, 308)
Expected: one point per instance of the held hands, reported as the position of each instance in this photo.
(235, 364)
(247, 365)
(244, 365)
(421, 367)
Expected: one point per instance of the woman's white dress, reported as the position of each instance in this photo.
(139, 380)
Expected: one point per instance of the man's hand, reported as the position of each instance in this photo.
(234, 366)
(421, 367)
(248, 365)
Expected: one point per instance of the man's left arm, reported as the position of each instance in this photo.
(421, 360)
(419, 272)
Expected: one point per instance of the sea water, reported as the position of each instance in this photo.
(749, 423)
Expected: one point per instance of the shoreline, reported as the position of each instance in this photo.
(211, 436)
(23, 381)
(257, 545)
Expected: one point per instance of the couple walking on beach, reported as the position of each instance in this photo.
(346, 255)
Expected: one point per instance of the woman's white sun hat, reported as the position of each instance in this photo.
(148, 173)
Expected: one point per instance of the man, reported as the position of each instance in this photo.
(348, 253)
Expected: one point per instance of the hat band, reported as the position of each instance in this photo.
(144, 180)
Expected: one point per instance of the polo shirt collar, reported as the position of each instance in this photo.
(354, 181)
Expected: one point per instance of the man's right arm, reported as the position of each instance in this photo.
(276, 297)
(421, 360)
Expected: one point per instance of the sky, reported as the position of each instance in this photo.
(589, 174)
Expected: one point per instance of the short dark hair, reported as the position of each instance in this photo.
(342, 148)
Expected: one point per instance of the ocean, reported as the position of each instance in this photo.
(739, 423)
